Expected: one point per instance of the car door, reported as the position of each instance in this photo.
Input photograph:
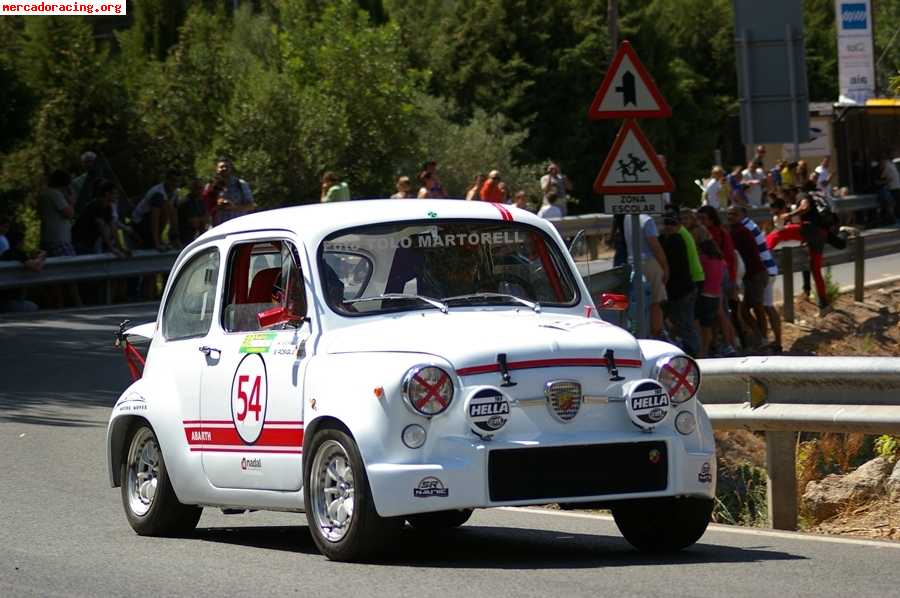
(251, 394)
(187, 318)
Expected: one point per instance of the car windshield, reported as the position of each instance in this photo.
(402, 265)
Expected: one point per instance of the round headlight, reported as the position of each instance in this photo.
(680, 376)
(413, 436)
(427, 390)
(685, 423)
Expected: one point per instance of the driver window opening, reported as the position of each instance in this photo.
(262, 275)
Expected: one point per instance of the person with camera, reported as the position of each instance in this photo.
(227, 196)
(555, 181)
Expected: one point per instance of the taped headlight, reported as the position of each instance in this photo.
(680, 376)
(427, 390)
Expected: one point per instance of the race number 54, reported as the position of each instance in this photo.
(249, 396)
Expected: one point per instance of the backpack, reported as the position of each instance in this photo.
(828, 220)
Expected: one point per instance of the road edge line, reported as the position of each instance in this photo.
(718, 527)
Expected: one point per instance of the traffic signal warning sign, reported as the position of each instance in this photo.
(628, 90)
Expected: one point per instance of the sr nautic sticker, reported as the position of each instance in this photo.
(488, 411)
(646, 402)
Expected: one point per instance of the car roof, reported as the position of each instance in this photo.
(315, 221)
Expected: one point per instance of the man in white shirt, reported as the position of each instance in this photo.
(155, 210)
(713, 191)
(754, 177)
(823, 176)
(550, 209)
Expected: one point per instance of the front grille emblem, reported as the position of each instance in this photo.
(563, 399)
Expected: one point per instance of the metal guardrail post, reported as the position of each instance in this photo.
(787, 269)
(781, 473)
(859, 269)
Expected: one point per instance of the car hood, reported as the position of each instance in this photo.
(472, 339)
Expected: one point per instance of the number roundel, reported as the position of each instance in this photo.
(249, 397)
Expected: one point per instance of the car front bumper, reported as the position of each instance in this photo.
(468, 473)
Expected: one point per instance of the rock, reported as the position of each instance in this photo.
(826, 498)
(893, 482)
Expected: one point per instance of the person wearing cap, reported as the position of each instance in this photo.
(558, 183)
(491, 190)
(681, 290)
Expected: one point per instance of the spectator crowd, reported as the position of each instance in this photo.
(709, 282)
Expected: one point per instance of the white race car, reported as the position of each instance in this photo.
(372, 363)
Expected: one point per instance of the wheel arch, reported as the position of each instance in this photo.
(117, 436)
(310, 430)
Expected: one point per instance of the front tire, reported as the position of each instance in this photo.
(439, 520)
(340, 510)
(663, 524)
(151, 506)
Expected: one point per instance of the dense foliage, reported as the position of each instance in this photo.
(371, 88)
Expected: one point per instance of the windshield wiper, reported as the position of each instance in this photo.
(533, 305)
(401, 296)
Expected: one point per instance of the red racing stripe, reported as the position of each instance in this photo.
(270, 437)
(245, 449)
(548, 363)
(504, 213)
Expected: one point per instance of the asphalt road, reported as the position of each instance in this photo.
(63, 532)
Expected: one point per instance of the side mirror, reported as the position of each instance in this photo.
(277, 315)
(613, 302)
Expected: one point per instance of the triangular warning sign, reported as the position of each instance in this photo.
(632, 165)
(628, 90)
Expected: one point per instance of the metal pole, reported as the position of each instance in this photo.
(787, 270)
(859, 271)
(781, 471)
(792, 78)
(638, 275)
(747, 102)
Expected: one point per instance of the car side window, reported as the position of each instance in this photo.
(261, 275)
(189, 308)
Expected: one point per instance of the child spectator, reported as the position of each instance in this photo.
(707, 309)
(193, 219)
(333, 188)
(403, 188)
(13, 300)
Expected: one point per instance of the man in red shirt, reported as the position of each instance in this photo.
(491, 190)
(756, 276)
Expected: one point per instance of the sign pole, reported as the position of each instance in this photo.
(638, 276)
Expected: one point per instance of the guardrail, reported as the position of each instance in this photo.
(784, 395)
(101, 266)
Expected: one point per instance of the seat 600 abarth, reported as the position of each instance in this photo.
(379, 363)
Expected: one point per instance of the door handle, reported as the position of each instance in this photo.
(209, 350)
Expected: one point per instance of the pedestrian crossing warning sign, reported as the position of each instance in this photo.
(632, 165)
(628, 90)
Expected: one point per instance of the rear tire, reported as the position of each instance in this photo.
(663, 524)
(340, 509)
(439, 520)
(151, 506)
